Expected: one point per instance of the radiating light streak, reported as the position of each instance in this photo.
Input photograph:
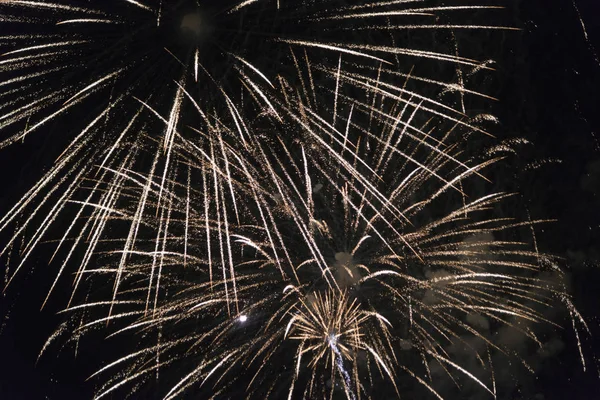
(139, 4)
(88, 21)
(53, 6)
(45, 46)
(335, 47)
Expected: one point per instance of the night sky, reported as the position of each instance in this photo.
(548, 83)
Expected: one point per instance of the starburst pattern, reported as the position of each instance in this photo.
(334, 268)
(145, 99)
(273, 226)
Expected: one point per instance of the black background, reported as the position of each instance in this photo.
(548, 82)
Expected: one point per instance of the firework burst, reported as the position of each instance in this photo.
(154, 78)
(110, 59)
(331, 274)
(272, 226)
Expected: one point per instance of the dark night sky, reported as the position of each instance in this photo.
(549, 90)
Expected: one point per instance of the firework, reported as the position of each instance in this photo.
(283, 225)
(335, 278)
(151, 78)
(109, 60)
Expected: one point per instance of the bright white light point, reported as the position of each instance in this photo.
(332, 339)
(243, 318)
